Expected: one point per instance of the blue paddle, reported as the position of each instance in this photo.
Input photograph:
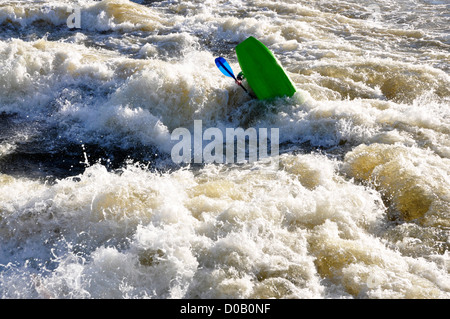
(225, 68)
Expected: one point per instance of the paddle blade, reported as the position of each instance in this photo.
(224, 67)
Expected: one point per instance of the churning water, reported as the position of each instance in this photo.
(92, 206)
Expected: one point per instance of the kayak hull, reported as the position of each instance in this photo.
(262, 70)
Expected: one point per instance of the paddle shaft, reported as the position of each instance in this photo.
(232, 75)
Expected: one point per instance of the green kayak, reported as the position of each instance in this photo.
(263, 72)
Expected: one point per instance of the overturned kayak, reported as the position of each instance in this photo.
(262, 70)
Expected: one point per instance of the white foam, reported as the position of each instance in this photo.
(312, 227)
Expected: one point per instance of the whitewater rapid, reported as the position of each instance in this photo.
(357, 205)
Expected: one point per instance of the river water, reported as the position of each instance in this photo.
(357, 205)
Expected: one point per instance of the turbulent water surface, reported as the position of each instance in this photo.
(92, 205)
